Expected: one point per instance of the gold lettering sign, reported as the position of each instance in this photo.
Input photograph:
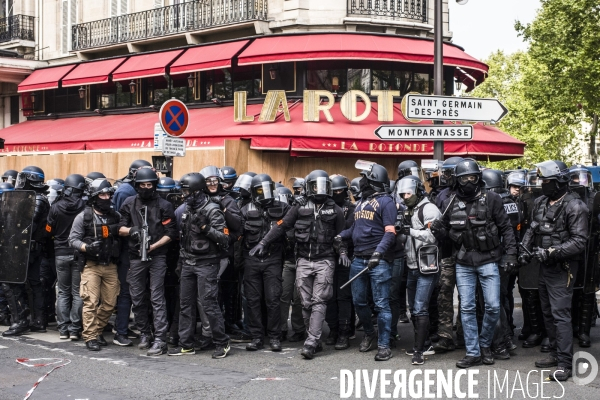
(348, 105)
(385, 104)
(275, 101)
(312, 105)
(239, 108)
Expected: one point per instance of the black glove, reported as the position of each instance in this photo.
(437, 227)
(113, 230)
(405, 230)
(374, 261)
(541, 254)
(524, 259)
(300, 200)
(509, 263)
(134, 233)
(512, 268)
(259, 248)
(337, 242)
(93, 248)
(344, 260)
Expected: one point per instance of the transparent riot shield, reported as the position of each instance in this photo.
(591, 280)
(16, 219)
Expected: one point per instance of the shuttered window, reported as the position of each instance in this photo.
(69, 18)
(119, 7)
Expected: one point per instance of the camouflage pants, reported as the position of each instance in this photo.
(447, 283)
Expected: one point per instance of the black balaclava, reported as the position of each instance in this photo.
(469, 190)
(102, 205)
(365, 188)
(146, 194)
(340, 198)
(554, 190)
(196, 199)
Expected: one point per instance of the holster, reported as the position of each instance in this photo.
(79, 260)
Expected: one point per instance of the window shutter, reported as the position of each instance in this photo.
(158, 3)
(124, 7)
(65, 26)
(114, 8)
(73, 16)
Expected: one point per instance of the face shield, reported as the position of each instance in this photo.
(516, 179)
(533, 180)
(243, 182)
(447, 175)
(406, 186)
(320, 186)
(264, 193)
(581, 178)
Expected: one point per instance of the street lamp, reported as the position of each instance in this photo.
(457, 85)
(191, 81)
(273, 73)
(81, 92)
(132, 86)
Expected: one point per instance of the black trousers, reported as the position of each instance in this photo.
(137, 277)
(34, 278)
(340, 309)
(555, 298)
(503, 332)
(199, 283)
(263, 280)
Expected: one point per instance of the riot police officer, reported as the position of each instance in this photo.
(355, 188)
(298, 186)
(30, 178)
(482, 236)
(94, 235)
(584, 297)
(10, 176)
(340, 310)
(203, 238)
(373, 235)
(147, 214)
(263, 264)
(241, 188)
(557, 238)
(124, 190)
(228, 177)
(60, 219)
(315, 221)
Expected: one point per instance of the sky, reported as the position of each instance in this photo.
(484, 26)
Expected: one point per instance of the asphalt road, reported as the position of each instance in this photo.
(126, 373)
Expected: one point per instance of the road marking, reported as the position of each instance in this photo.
(269, 379)
(3, 347)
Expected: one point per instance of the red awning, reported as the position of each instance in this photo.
(352, 46)
(210, 127)
(47, 78)
(145, 65)
(93, 72)
(207, 57)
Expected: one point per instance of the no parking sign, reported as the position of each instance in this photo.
(174, 117)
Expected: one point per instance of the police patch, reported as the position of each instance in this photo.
(511, 208)
(328, 211)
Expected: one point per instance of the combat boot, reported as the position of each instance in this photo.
(17, 328)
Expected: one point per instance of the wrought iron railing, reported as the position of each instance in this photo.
(16, 27)
(394, 9)
(185, 17)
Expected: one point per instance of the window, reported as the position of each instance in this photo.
(69, 18)
(118, 7)
(6, 8)
(14, 110)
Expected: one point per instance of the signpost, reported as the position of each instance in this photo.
(159, 135)
(425, 132)
(173, 118)
(449, 108)
(174, 147)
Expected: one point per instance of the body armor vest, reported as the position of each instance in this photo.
(513, 212)
(259, 222)
(193, 240)
(95, 230)
(475, 230)
(549, 223)
(315, 229)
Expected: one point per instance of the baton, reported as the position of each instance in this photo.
(353, 279)
(525, 248)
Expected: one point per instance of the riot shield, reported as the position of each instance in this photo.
(529, 274)
(591, 278)
(176, 199)
(16, 220)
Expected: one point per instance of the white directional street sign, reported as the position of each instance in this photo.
(449, 108)
(424, 132)
(173, 147)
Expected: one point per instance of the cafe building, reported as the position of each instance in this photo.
(262, 96)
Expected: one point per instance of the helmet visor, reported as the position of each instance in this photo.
(264, 191)
(464, 179)
(406, 186)
(581, 178)
(320, 185)
(516, 179)
(533, 180)
(243, 182)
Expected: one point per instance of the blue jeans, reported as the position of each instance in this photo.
(68, 302)
(380, 277)
(419, 288)
(466, 281)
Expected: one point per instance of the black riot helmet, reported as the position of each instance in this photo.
(355, 187)
(339, 182)
(447, 176)
(516, 178)
(212, 175)
(192, 184)
(166, 186)
(74, 185)
(99, 186)
(409, 167)
(31, 178)
(228, 177)
(377, 175)
(318, 186)
(285, 194)
(298, 186)
(493, 180)
(10, 176)
(553, 169)
(95, 175)
(468, 177)
(145, 174)
(137, 164)
(6, 187)
(581, 180)
(413, 186)
(263, 189)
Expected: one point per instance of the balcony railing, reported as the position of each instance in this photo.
(393, 9)
(16, 27)
(185, 17)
